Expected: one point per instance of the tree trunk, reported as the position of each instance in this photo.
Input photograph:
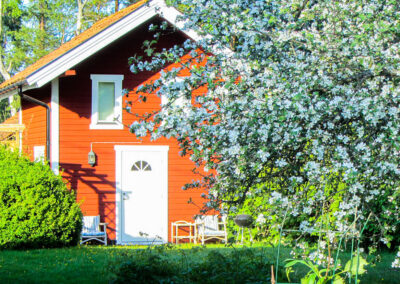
(42, 15)
(79, 16)
(116, 3)
(1, 19)
(3, 70)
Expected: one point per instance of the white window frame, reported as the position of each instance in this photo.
(117, 80)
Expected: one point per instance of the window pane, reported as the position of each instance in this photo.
(106, 101)
(141, 166)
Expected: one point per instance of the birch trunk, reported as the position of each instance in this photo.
(79, 16)
(3, 70)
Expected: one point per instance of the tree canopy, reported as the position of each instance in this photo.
(31, 29)
(301, 103)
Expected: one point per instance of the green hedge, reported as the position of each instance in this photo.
(36, 208)
(197, 265)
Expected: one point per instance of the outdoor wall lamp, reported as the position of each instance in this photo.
(91, 157)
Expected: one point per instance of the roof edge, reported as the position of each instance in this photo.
(10, 89)
(93, 44)
(80, 39)
(74, 55)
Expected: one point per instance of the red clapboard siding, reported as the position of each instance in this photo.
(34, 119)
(95, 186)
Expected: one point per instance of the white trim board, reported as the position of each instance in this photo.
(55, 126)
(155, 148)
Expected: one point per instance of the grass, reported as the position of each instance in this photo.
(382, 271)
(55, 265)
(93, 264)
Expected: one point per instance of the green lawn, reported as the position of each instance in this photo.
(92, 264)
(70, 265)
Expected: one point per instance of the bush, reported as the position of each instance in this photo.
(382, 230)
(148, 268)
(36, 208)
(237, 266)
(197, 265)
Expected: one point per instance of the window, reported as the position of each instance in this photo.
(141, 166)
(106, 102)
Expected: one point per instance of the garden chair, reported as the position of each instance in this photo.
(211, 227)
(92, 229)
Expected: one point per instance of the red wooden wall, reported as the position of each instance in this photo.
(96, 185)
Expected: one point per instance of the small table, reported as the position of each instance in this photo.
(175, 231)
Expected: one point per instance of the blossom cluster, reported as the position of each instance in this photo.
(396, 262)
(302, 101)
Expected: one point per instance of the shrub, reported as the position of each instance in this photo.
(237, 266)
(196, 265)
(382, 231)
(148, 268)
(36, 208)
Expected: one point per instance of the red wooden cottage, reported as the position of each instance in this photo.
(135, 185)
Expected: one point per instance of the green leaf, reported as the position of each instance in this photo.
(149, 51)
(293, 262)
(351, 266)
(309, 279)
(288, 271)
(338, 280)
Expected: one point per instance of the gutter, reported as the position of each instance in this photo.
(40, 103)
(13, 86)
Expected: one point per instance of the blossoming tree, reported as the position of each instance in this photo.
(302, 99)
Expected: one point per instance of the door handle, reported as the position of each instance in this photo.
(125, 195)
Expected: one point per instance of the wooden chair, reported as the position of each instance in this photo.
(186, 226)
(211, 227)
(92, 229)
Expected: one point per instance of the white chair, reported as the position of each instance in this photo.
(211, 227)
(91, 230)
(190, 229)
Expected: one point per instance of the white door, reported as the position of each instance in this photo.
(142, 191)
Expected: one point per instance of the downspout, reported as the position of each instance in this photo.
(40, 103)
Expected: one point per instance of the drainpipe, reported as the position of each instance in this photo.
(40, 103)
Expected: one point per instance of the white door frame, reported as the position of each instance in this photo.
(119, 149)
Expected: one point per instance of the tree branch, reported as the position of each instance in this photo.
(297, 13)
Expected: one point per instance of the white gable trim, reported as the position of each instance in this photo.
(104, 38)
